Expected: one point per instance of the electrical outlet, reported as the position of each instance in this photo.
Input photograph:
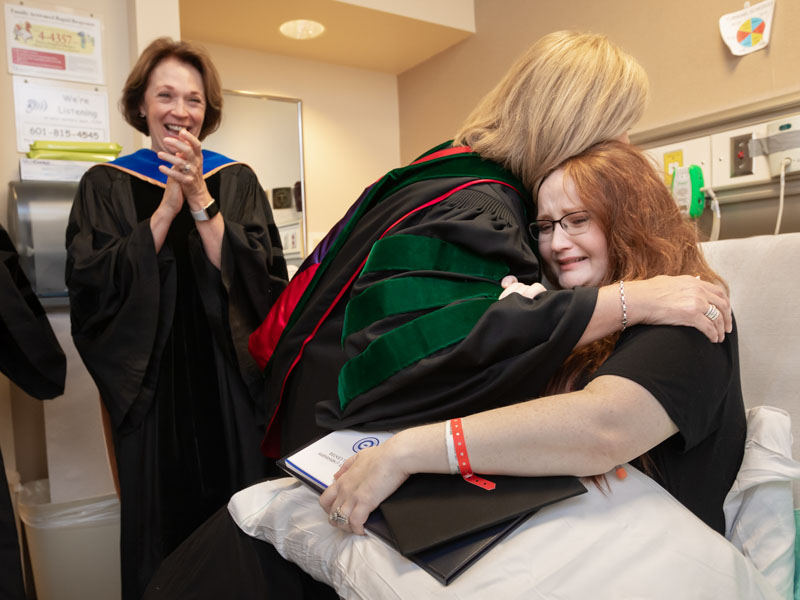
(740, 158)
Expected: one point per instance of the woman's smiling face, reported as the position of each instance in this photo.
(577, 259)
(174, 100)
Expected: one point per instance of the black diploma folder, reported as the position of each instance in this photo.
(429, 510)
(447, 561)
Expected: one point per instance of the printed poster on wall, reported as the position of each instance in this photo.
(57, 45)
(748, 30)
(60, 111)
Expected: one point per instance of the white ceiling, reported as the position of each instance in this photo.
(355, 36)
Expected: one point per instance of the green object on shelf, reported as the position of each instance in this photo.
(67, 155)
(76, 146)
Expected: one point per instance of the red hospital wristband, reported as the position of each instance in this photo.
(463, 458)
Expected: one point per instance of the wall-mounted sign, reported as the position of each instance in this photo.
(748, 30)
(50, 110)
(58, 45)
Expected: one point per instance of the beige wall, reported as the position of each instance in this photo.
(692, 73)
(350, 122)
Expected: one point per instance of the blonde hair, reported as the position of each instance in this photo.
(566, 93)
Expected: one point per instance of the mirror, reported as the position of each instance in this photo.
(266, 132)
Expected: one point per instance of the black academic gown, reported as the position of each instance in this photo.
(31, 357)
(164, 337)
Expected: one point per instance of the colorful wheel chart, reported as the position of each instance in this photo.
(751, 32)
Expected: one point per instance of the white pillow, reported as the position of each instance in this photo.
(634, 541)
(759, 508)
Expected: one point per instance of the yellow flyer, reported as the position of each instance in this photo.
(55, 45)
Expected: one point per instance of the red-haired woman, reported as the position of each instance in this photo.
(665, 398)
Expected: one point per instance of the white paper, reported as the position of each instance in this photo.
(43, 169)
(748, 30)
(58, 45)
(67, 112)
(320, 460)
(291, 239)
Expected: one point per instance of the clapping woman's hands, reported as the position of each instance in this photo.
(171, 204)
(186, 157)
(172, 199)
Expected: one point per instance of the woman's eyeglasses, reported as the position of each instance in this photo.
(574, 223)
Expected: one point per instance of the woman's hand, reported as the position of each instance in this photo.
(187, 171)
(168, 209)
(172, 200)
(682, 300)
(364, 481)
(512, 286)
(186, 157)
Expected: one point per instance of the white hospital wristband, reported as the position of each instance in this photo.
(452, 461)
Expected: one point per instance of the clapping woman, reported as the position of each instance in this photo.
(173, 259)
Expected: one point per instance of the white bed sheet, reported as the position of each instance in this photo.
(635, 541)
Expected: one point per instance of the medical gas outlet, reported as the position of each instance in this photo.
(741, 158)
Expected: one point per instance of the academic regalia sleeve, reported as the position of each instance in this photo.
(237, 297)
(30, 354)
(424, 331)
(122, 295)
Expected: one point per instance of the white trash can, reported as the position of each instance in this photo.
(74, 546)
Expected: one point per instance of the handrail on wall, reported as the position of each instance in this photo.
(748, 114)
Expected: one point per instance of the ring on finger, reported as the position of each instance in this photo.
(337, 517)
(185, 168)
(712, 313)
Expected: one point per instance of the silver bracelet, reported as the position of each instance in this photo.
(452, 461)
(624, 306)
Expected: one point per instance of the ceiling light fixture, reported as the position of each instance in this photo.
(302, 29)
